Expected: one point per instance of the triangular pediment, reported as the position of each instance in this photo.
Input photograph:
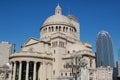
(31, 41)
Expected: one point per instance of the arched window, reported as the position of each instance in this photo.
(52, 29)
(59, 28)
(65, 74)
(70, 74)
(49, 29)
(68, 52)
(56, 28)
(70, 29)
(46, 30)
(75, 30)
(63, 29)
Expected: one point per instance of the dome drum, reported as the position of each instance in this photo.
(58, 27)
(50, 30)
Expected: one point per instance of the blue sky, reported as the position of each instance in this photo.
(22, 19)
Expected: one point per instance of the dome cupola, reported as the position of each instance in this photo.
(57, 18)
(58, 10)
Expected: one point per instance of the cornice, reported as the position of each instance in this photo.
(31, 55)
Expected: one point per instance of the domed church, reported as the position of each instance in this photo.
(46, 58)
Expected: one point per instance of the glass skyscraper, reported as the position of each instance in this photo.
(104, 50)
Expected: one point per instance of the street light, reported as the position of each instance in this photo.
(76, 64)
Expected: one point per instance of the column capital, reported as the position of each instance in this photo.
(14, 73)
(35, 62)
(27, 69)
(27, 61)
(20, 69)
(20, 61)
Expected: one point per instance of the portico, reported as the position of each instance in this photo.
(27, 68)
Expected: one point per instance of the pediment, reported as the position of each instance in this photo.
(31, 41)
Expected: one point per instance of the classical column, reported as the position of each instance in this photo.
(27, 69)
(10, 74)
(39, 71)
(34, 73)
(20, 69)
(14, 73)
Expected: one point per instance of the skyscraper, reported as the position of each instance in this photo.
(104, 50)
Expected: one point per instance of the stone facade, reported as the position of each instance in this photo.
(104, 73)
(5, 50)
(45, 59)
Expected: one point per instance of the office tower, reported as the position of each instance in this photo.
(104, 50)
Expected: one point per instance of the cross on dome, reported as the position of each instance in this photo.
(58, 10)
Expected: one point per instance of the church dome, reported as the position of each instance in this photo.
(58, 18)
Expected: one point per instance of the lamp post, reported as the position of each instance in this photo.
(76, 64)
